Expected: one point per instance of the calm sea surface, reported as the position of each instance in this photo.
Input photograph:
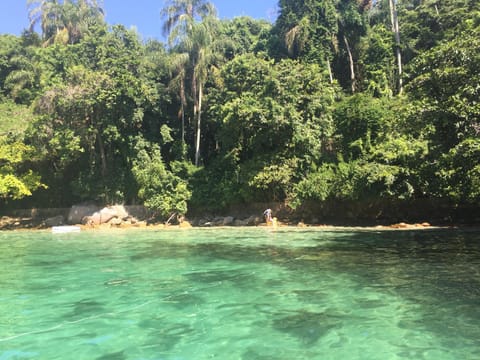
(240, 294)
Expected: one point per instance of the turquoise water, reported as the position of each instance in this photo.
(240, 294)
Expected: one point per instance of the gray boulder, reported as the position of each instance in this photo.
(254, 220)
(106, 214)
(78, 212)
(239, 222)
(228, 221)
(54, 221)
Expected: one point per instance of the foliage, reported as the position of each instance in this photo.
(161, 190)
(89, 115)
(14, 118)
(195, 39)
(16, 182)
(377, 62)
(446, 79)
(460, 171)
(244, 35)
(19, 72)
(427, 23)
(271, 129)
(307, 29)
(64, 22)
(317, 185)
(359, 120)
(234, 111)
(262, 115)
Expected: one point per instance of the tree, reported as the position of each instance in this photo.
(10, 47)
(351, 26)
(17, 179)
(16, 184)
(396, 32)
(98, 94)
(162, 191)
(243, 34)
(309, 30)
(445, 81)
(197, 39)
(377, 63)
(269, 131)
(425, 23)
(459, 172)
(20, 72)
(204, 56)
(180, 16)
(178, 64)
(64, 21)
(322, 31)
(359, 119)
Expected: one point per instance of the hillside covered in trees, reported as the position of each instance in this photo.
(338, 100)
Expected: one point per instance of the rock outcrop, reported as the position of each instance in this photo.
(115, 215)
(78, 212)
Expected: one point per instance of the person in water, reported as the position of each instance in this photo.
(268, 216)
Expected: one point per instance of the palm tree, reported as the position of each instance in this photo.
(178, 66)
(22, 81)
(396, 32)
(79, 16)
(181, 14)
(65, 21)
(45, 13)
(351, 26)
(299, 35)
(203, 56)
(196, 39)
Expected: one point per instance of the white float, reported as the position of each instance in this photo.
(65, 229)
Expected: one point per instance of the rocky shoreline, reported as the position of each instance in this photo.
(90, 217)
(379, 213)
(17, 223)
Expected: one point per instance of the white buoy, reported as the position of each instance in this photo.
(65, 229)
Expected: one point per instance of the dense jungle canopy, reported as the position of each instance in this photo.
(336, 100)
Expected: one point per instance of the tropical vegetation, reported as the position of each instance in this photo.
(336, 100)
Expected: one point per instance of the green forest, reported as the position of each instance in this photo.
(337, 100)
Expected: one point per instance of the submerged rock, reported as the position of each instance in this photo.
(307, 326)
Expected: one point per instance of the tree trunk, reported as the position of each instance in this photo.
(183, 126)
(199, 121)
(101, 149)
(195, 109)
(329, 66)
(352, 67)
(396, 32)
(183, 101)
(99, 140)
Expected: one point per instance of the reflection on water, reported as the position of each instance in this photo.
(240, 294)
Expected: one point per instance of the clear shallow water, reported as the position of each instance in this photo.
(240, 294)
